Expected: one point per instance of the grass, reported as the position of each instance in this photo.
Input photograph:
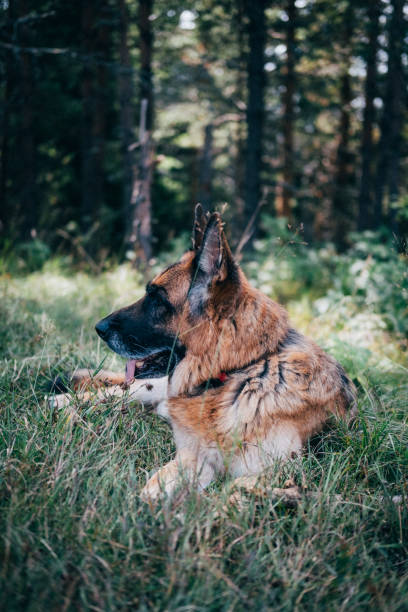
(75, 535)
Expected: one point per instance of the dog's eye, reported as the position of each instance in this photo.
(157, 299)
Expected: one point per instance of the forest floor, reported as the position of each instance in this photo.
(74, 532)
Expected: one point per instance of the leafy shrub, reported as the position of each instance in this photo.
(372, 274)
(33, 254)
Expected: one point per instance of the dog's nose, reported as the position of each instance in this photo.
(102, 328)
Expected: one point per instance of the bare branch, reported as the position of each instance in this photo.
(248, 231)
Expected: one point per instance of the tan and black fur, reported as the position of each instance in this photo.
(221, 363)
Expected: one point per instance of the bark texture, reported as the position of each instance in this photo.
(255, 13)
(284, 202)
(365, 201)
(125, 83)
(388, 169)
(343, 195)
(95, 42)
(26, 136)
(139, 239)
(205, 169)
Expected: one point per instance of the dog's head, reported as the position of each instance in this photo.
(179, 305)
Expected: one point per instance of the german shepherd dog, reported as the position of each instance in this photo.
(220, 362)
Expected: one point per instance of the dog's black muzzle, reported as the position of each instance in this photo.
(102, 328)
(131, 333)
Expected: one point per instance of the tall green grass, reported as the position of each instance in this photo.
(74, 533)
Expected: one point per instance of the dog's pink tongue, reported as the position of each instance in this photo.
(130, 370)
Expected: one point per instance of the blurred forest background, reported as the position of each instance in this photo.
(117, 116)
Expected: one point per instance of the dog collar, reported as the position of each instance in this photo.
(222, 376)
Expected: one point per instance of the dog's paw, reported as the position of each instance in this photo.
(153, 490)
(56, 402)
(162, 485)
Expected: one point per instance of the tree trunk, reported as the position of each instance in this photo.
(343, 196)
(398, 86)
(29, 212)
(5, 125)
(87, 93)
(101, 99)
(283, 203)
(126, 112)
(239, 166)
(95, 41)
(146, 54)
(139, 240)
(4, 136)
(205, 169)
(365, 201)
(391, 124)
(255, 12)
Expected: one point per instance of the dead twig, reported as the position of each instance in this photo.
(80, 249)
(248, 231)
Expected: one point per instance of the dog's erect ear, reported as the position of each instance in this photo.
(200, 222)
(211, 254)
(214, 261)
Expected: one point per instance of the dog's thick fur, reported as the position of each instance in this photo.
(221, 363)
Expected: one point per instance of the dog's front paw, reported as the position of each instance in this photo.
(154, 490)
(57, 402)
(161, 485)
(158, 488)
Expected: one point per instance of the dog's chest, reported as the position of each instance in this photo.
(162, 410)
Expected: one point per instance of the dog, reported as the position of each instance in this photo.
(221, 363)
